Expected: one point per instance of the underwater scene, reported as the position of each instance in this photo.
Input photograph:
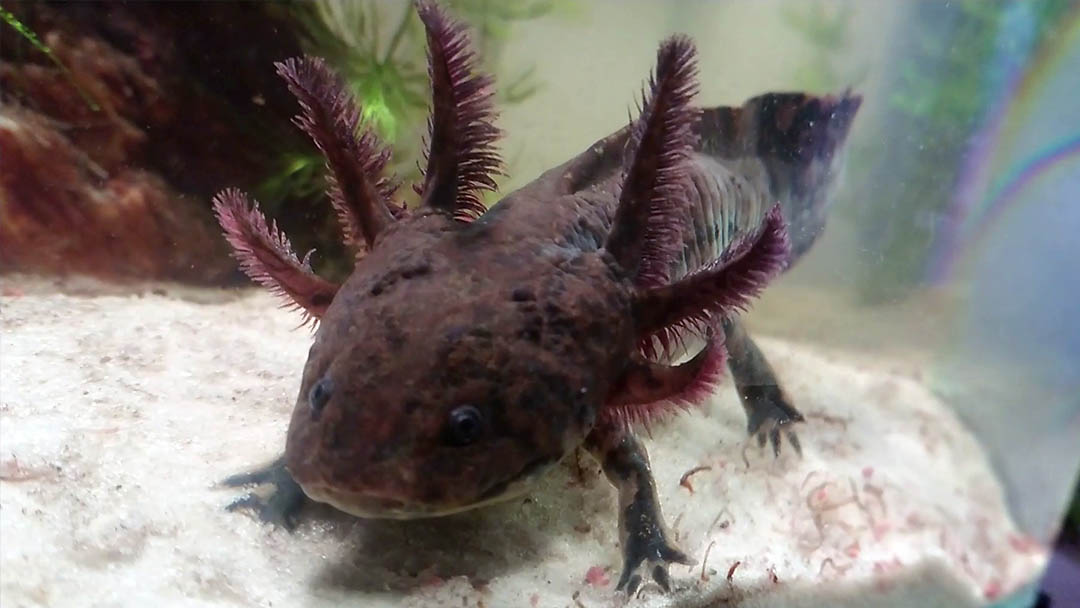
(540, 303)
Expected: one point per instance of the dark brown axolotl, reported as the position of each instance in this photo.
(470, 349)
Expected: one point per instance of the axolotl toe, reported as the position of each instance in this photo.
(471, 349)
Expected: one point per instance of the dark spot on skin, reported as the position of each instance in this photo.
(532, 396)
(319, 395)
(372, 358)
(530, 402)
(416, 271)
(522, 294)
(454, 380)
(555, 288)
(395, 338)
(532, 330)
(385, 451)
(383, 284)
(340, 436)
(321, 300)
(585, 414)
(532, 334)
(455, 333)
(597, 330)
(480, 332)
(560, 323)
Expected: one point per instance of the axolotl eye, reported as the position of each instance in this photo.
(319, 395)
(465, 425)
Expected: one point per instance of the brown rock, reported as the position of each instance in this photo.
(61, 213)
(108, 167)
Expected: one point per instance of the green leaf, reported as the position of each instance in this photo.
(32, 38)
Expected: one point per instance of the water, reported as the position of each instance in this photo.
(927, 337)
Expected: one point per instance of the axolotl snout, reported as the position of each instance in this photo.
(471, 349)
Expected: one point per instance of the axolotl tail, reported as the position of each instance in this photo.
(777, 147)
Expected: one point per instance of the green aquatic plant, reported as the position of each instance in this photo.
(29, 35)
(382, 59)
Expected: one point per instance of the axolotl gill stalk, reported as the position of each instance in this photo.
(471, 349)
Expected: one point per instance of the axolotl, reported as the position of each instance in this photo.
(472, 348)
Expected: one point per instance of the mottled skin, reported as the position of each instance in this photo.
(471, 350)
(529, 333)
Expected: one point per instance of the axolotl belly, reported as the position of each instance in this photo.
(471, 349)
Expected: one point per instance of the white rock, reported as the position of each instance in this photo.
(120, 412)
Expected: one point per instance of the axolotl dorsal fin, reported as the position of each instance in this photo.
(784, 148)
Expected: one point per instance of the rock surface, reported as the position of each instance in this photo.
(108, 166)
(119, 412)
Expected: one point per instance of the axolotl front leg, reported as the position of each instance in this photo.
(643, 533)
(664, 310)
(281, 506)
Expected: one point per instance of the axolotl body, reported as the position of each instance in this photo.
(471, 349)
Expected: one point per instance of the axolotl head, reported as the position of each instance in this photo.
(469, 349)
(450, 370)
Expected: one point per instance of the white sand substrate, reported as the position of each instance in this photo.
(120, 412)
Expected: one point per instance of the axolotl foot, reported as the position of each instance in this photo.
(642, 530)
(768, 409)
(281, 506)
(769, 415)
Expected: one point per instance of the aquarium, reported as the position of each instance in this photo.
(691, 304)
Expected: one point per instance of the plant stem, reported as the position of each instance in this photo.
(32, 38)
(398, 33)
(374, 30)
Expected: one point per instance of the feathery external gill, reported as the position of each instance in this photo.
(647, 230)
(267, 257)
(461, 157)
(721, 288)
(355, 158)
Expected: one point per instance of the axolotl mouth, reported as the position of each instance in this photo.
(371, 503)
(372, 506)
